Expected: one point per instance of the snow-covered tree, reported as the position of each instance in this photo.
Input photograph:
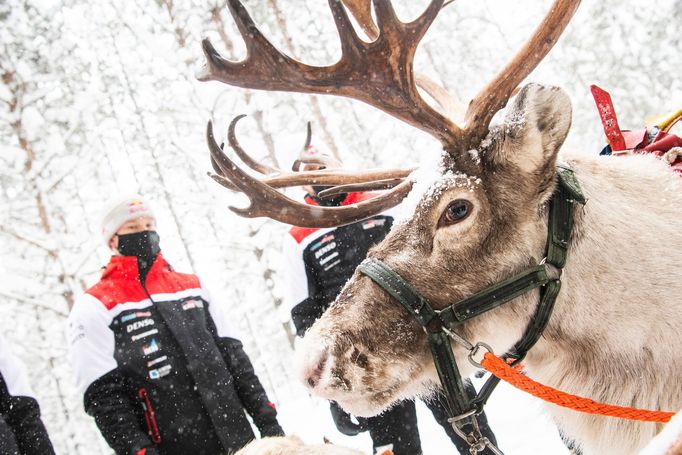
(99, 99)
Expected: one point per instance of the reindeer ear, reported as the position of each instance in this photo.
(534, 128)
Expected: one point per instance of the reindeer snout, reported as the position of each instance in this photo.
(313, 370)
(326, 368)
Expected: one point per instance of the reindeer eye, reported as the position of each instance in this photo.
(455, 212)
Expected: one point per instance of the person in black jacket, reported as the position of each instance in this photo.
(319, 262)
(21, 430)
(160, 368)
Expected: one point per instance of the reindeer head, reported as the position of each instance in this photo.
(478, 220)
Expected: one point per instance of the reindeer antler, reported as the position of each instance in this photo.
(267, 201)
(379, 73)
(495, 95)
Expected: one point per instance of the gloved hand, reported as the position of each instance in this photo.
(343, 421)
(147, 451)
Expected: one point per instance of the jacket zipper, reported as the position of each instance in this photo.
(149, 416)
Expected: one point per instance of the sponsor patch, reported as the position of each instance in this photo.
(369, 224)
(139, 336)
(157, 360)
(160, 372)
(135, 315)
(139, 324)
(324, 250)
(190, 304)
(332, 264)
(326, 259)
(150, 348)
(322, 241)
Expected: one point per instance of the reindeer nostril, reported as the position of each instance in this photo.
(316, 373)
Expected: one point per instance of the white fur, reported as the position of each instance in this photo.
(292, 445)
(622, 286)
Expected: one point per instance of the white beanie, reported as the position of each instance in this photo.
(120, 210)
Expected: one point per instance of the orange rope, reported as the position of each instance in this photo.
(499, 368)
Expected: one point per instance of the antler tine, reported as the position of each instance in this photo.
(265, 201)
(355, 187)
(334, 177)
(351, 45)
(454, 109)
(245, 157)
(378, 73)
(362, 10)
(215, 166)
(223, 181)
(387, 20)
(218, 176)
(495, 95)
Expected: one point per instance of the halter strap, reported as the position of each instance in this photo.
(439, 323)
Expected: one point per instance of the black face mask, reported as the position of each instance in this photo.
(143, 245)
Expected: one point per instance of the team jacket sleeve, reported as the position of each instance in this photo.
(19, 407)
(301, 296)
(249, 388)
(108, 402)
(103, 387)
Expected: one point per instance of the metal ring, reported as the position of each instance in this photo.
(474, 351)
(553, 272)
(470, 413)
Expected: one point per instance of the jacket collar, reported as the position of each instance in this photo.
(125, 267)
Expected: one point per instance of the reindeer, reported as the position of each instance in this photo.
(480, 219)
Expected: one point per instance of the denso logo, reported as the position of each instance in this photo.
(325, 249)
(139, 324)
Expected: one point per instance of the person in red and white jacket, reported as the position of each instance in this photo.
(158, 364)
(21, 430)
(318, 264)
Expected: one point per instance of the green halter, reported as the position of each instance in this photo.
(439, 325)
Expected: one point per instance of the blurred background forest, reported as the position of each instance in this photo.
(99, 99)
